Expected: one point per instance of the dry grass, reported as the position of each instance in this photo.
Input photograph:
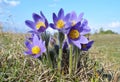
(15, 67)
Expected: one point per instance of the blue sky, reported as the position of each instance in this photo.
(99, 13)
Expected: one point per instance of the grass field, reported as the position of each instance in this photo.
(106, 50)
(15, 67)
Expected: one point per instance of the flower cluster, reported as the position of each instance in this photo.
(73, 27)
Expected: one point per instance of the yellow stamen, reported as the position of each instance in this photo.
(36, 50)
(73, 23)
(39, 24)
(60, 24)
(74, 34)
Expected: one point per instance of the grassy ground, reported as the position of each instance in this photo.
(106, 50)
(15, 67)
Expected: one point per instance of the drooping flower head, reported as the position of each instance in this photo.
(74, 19)
(86, 47)
(40, 23)
(76, 35)
(61, 22)
(35, 48)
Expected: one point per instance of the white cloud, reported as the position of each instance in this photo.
(114, 24)
(12, 2)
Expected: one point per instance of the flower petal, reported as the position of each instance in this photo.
(46, 23)
(61, 14)
(36, 55)
(88, 46)
(73, 16)
(35, 40)
(36, 17)
(52, 26)
(27, 52)
(77, 26)
(67, 17)
(76, 43)
(84, 25)
(42, 29)
(80, 17)
(83, 40)
(42, 15)
(28, 45)
(30, 24)
(90, 43)
(55, 19)
(85, 30)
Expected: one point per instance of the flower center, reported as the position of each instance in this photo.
(60, 24)
(36, 50)
(84, 46)
(39, 24)
(74, 34)
(73, 23)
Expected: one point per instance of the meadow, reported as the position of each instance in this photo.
(16, 67)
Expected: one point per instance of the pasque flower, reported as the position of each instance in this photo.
(40, 23)
(76, 35)
(74, 19)
(86, 47)
(36, 47)
(84, 23)
(61, 22)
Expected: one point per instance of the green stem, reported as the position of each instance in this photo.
(60, 57)
(49, 59)
(76, 59)
(70, 61)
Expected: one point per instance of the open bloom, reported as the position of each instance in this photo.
(74, 19)
(76, 35)
(35, 48)
(86, 47)
(61, 22)
(40, 23)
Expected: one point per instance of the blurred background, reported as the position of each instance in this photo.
(102, 15)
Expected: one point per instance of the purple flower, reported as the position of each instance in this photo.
(74, 19)
(40, 23)
(85, 47)
(35, 48)
(84, 27)
(61, 22)
(75, 35)
(84, 23)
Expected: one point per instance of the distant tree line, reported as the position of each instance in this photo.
(1, 27)
(102, 31)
